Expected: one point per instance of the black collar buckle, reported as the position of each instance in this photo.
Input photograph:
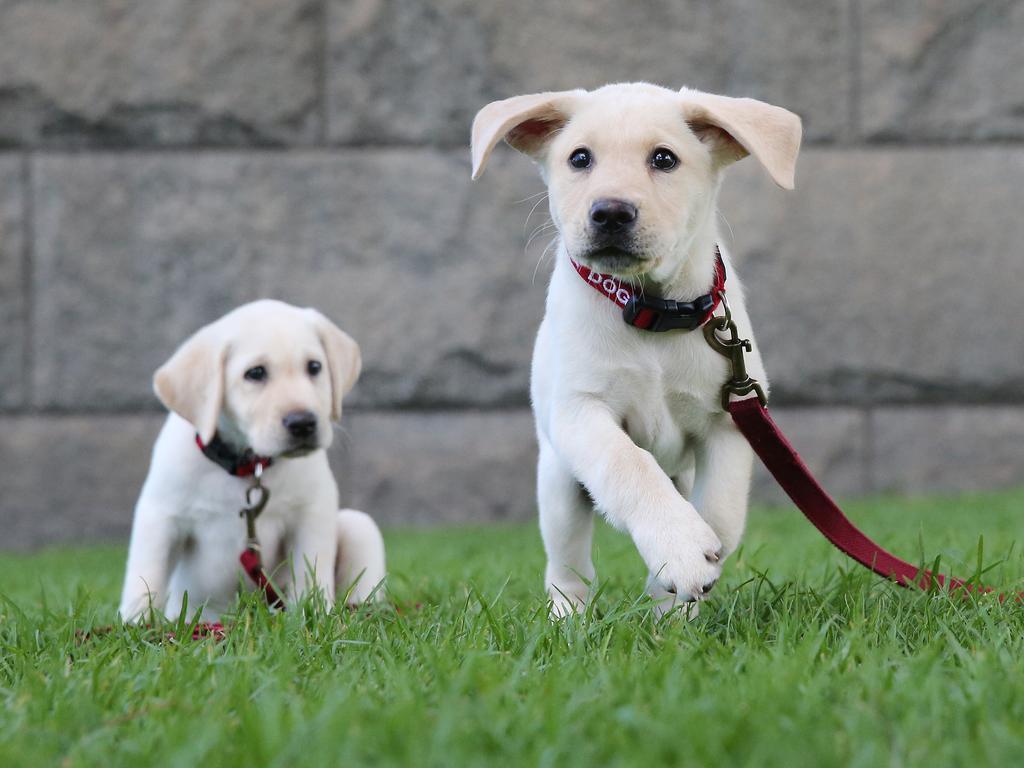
(660, 315)
(240, 463)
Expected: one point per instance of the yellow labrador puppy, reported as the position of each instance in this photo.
(628, 420)
(263, 383)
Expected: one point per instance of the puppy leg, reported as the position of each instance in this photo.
(153, 543)
(314, 559)
(359, 572)
(208, 570)
(722, 483)
(664, 601)
(567, 527)
(628, 486)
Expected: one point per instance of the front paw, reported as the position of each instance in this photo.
(568, 598)
(683, 558)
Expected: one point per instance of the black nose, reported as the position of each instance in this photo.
(611, 216)
(300, 424)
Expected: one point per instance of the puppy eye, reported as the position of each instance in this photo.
(256, 373)
(581, 158)
(314, 367)
(663, 160)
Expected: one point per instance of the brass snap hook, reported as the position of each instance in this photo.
(262, 496)
(732, 348)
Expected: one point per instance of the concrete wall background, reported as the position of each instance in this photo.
(165, 160)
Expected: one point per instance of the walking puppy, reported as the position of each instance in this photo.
(261, 385)
(631, 421)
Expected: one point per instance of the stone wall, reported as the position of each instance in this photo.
(164, 160)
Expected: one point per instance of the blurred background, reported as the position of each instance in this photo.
(162, 161)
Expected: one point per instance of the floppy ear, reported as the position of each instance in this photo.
(733, 128)
(191, 383)
(525, 122)
(344, 361)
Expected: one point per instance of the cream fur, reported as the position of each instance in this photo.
(187, 533)
(633, 417)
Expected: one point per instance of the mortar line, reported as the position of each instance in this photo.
(854, 60)
(342, 147)
(323, 60)
(869, 410)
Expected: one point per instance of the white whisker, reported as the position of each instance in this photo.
(540, 200)
(728, 226)
(548, 248)
(530, 197)
(546, 227)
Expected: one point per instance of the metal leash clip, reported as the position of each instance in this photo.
(732, 348)
(252, 509)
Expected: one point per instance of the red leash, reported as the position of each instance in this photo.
(781, 459)
(790, 472)
(251, 559)
(252, 562)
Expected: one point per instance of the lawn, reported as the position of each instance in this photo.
(799, 658)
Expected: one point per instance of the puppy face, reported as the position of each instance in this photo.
(277, 389)
(627, 180)
(633, 170)
(267, 376)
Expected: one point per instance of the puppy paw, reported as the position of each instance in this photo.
(567, 599)
(668, 604)
(684, 560)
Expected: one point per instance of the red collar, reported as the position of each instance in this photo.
(239, 464)
(653, 314)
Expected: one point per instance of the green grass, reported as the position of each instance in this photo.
(799, 658)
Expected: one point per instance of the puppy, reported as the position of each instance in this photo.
(631, 421)
(264, 382)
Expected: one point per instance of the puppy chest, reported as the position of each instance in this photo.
(667, 427)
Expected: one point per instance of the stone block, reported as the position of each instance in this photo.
(71, 479)
(933, 450)
(171, 73)
(409, 71)
(888, 276)
(942, 70)
(406, 468)
(75, 479)
(134, 252)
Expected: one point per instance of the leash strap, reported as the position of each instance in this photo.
(793, 476)
(790, 472)
(256, 497)
(252, 563)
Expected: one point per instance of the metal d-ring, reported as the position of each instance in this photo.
(727, 318)
(252, 509)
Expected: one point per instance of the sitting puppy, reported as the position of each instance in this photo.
(631, 420)
(262, 385)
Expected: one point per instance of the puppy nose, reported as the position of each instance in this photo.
(610, 216)
(300, 423)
